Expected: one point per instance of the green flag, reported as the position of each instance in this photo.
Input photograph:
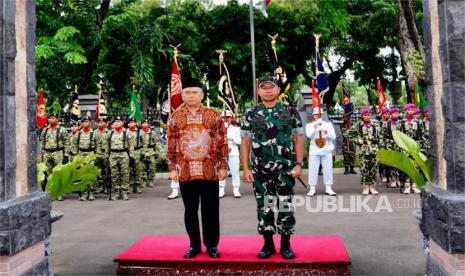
(134, 107)
(420, 98)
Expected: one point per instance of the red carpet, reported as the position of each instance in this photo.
(166, 252)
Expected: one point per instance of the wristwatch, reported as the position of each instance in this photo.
(301, 164)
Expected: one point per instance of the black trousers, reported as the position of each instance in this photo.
(206, 193)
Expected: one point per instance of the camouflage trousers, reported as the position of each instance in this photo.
(119, 166)
(52, 159)
(137, 170)
(349, 158)
(149, 168)
(101, 163)
(369, 169)
(273, 194)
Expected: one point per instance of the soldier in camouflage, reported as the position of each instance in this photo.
(136, 165)
(149, 140)
(273, 132)
(348, 147)
(412, 128)
(425, 145)
(384, 133)
(101, 162)
(394, 124)
(54, 143)
(71, 149)
(119, 148)
(85, 143)
(367, 140)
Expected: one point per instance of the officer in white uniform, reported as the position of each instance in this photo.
(322, 138)
(234, 140)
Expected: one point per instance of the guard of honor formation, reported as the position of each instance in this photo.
(128, 155)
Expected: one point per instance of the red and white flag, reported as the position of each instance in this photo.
(265, 5)
(175, 87)
(41, 114)
(381, 96)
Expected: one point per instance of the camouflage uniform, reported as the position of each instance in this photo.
(348, 145)
(85, 143)
(137, 165)
(367, 139)
(150, 141)
(71, 150)
(425, 145)
(54, 144)
(273, 157)
(119, 148)
(101, 162)
(412, 128)
(392, 145)
(384, 134)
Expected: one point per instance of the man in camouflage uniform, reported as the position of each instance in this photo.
(136, 165)
(273, 132)
(84, 143)
(119, 148)
(149, 141)
(412, 128)
(394, 124)
(101, 162)
(425, 145)
(348, 147)
(368, 139)
(71, 149)
(384, 132)
(54, 143)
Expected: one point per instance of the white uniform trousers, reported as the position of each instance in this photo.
(326, 162)
(233, 163)
(174, 184)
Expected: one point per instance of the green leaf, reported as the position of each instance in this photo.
(66, 33)
(44, 51)
(72, 177)
(41, 169)
(413, 148)
(75, 58)
(402, 162)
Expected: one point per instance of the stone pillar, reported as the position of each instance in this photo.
(443, 202)
(24, 212)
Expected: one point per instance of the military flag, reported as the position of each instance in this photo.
(315, 97)
(41, 114)
(381, 95)
(420, 99)
(280, 75)
(226, 92)
(346, 102)
(319, 70)
(265, 5)
(135, 106)
(176, 84)
(75, 110)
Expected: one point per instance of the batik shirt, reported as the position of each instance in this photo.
(197, 145)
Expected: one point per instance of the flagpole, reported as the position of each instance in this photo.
(252, 44)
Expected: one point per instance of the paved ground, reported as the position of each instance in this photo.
(90, 234)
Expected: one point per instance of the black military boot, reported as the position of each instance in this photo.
(346, 170)
(352, 171)
(268, 248)
(286, 250)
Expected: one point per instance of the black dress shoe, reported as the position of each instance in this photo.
(191, 253)
(346, 170)
(352, 171)
(213, 252)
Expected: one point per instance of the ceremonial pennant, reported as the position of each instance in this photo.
(420, 98)
(176, 84)
(41, 114)
(280, 75)
(226, 92)
(381, 96)
(75, 106)
(319, 70)
(134, 106)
